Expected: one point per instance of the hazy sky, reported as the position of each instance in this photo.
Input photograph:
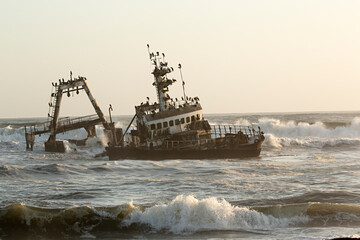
(237, 56)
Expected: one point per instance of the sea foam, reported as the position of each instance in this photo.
(304, 129)
(283, 134)
(187, 214)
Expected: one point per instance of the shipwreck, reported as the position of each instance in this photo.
(173, 128)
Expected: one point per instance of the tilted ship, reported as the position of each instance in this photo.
(176, 129)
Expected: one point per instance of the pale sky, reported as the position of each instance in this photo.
(237, 56)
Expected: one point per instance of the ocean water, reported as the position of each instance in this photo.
(304, 185)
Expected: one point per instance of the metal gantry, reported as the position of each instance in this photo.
(55, 126)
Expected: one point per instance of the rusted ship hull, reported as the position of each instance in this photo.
(243, 151)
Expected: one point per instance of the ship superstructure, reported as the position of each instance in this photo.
(168, 118)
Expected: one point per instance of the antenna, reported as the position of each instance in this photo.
(110, 110)
(183, 83)
(148, 46)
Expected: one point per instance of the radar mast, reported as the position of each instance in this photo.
(161, 81)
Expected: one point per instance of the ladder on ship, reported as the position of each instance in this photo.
(52, 101)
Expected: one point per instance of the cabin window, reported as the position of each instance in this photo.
(165, 124)
(159, 126)
(182, 120)
(187, 119)
(152, 126)
(171, 123)
(197, 117)
(177, 122)
(193, 118)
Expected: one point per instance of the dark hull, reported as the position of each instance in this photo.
(243, 151)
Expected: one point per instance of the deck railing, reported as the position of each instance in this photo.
(71, 121)
(221, 130)
(218, 133)
(44, 127)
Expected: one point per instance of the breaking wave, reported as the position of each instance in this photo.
(183, 215)
(282, 134)
(303, 129)
(9, 134)
(188, 214)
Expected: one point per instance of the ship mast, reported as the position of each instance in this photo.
(183, 83)
(161, 81)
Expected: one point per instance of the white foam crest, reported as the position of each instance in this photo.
(272, 141)
(100, 140)
(8, 134)
(303, 129)
(95, 145)
(281, 134)
(69, 147)
(278, 142)
(188, 214)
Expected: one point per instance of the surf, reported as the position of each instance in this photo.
(281, 134)
(185, 214)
